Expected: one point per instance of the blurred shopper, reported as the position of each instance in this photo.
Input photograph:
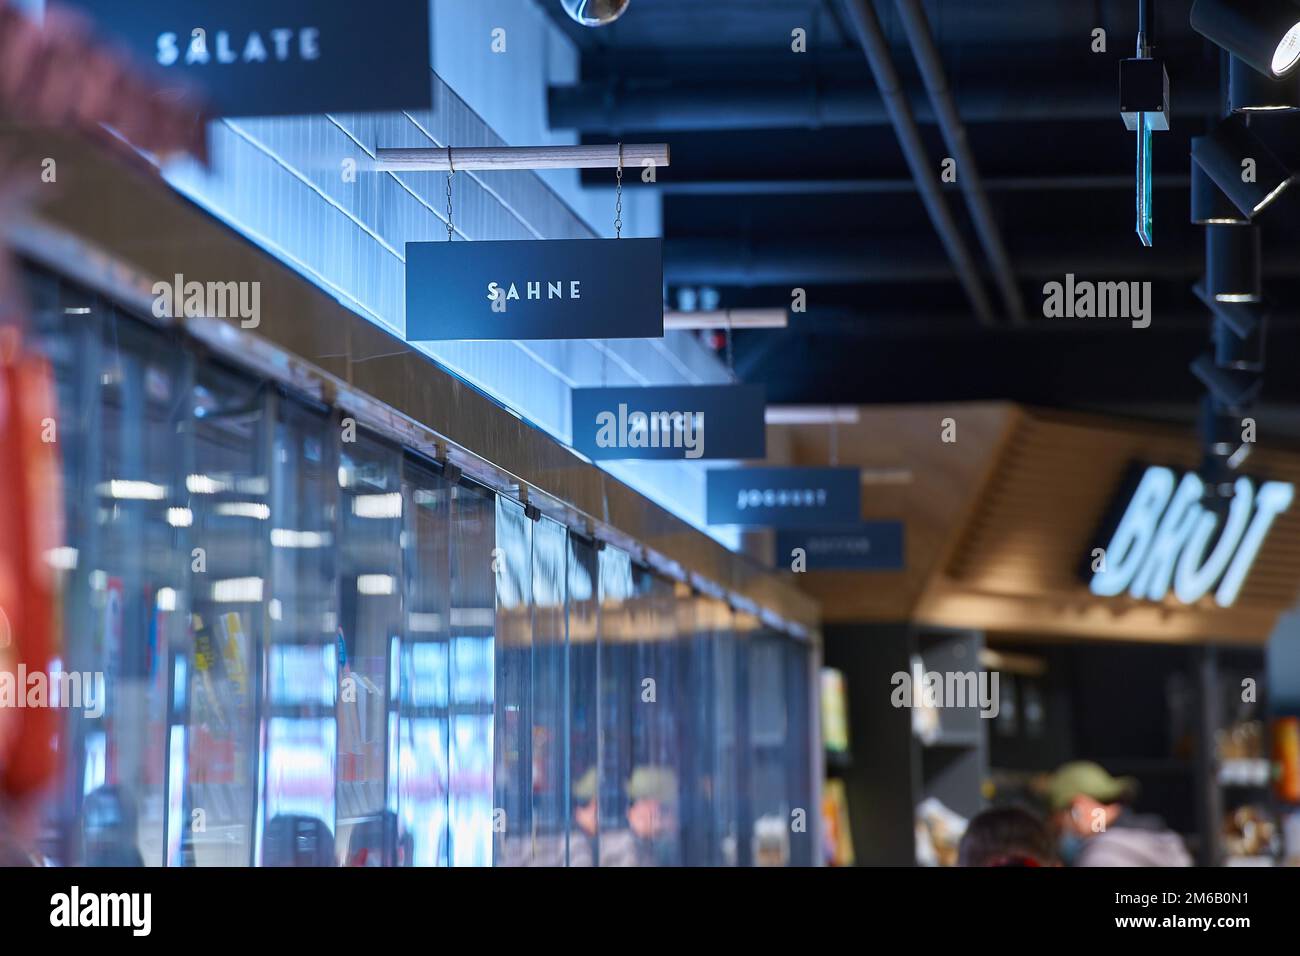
(1095, 826)
(17, 829)
(589, 845)
(1007, 836)
(652, 816)
(296, 840)
(377, 842)
(583, 837)
(109, 829)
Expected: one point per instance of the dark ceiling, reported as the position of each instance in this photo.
(786, 172)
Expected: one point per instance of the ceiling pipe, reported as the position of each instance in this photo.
(818, 187)
(867, 27)
(856, 261)
(617, 106)
(917, 28)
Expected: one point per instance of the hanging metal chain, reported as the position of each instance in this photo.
(618, 196)
(451, 171)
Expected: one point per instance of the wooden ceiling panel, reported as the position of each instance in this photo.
(999, 524)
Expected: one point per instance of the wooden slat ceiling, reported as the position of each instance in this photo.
(999, 522)
(924, 481)
(1041, 513)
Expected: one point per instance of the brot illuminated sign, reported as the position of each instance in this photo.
(1164, 538)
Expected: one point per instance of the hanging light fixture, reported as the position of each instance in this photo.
(1263, 33)
(1252, 92)
(1247, 171)
(595, 13)
(1210, 207)
(1232, 263)
(1237, 331)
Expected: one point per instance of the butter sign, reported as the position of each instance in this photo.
(869, 546)
(277, 57)
(534, 289)
(1166, 538)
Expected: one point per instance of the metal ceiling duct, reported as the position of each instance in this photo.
(919, 36)
(870, 36)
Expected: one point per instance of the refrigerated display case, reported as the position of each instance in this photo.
(320, 647)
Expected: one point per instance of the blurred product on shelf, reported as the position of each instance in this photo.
(1250, 833)
(1291, 839)
(837, 837)
(771, 841)
(835, 721)
(1242, 755)
(1286, 752)
(938, 833)
(1243, 740)
(925, 713)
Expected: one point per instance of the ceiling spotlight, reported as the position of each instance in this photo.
(1232, 263)
(1210, 207)
(1219, 429)
(1247, 171)
(1231, 388)
(1263, 33)
(595, 13)
(1216, 474)
(1231, 351)
(1245, 319)
(1238, 332)
(1252, 92)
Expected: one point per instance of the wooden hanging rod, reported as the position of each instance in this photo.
(523, 157)
(728, 318)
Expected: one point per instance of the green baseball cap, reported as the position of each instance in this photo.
(1083, 777)
(584, 788)
(653, 783)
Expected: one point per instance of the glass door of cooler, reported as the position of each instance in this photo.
(136, 571)
(66, 331)
(472, 812)
(551, 702)
(297, 818)
(583, 695)
(371, 509)
(422, 737)
(212, 742)
(512, 763)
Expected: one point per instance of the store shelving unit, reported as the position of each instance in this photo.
(1226, 783)
(951, 764)
(948, 765)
